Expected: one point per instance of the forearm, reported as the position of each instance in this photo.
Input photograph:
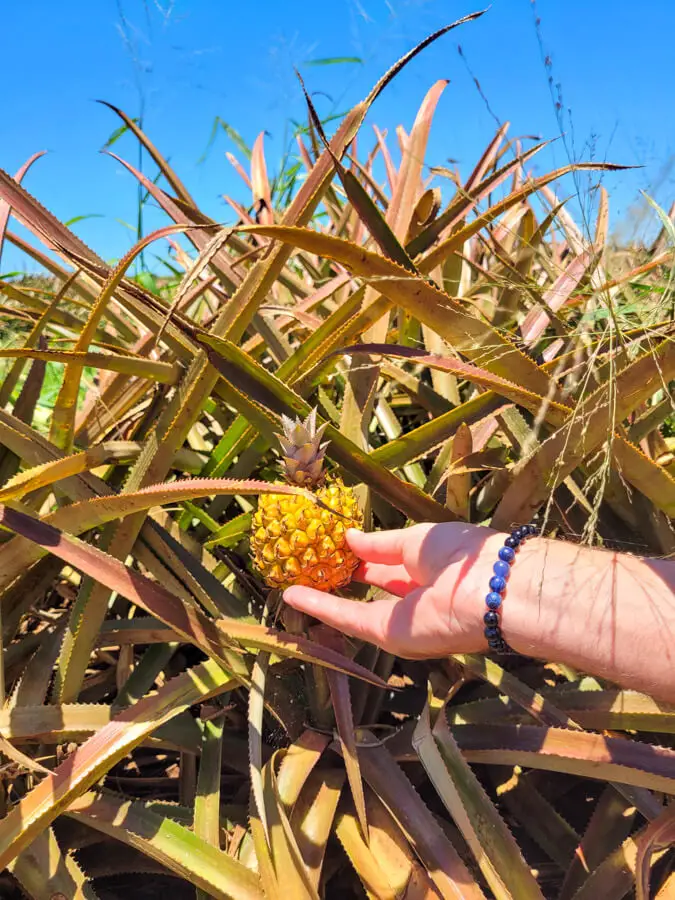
(612, 615)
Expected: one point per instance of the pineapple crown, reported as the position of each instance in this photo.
(303, 451)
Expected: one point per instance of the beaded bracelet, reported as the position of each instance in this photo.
(502, 570)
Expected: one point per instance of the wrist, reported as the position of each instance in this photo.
(504, 574)
(541, 607)
(490, 611)
(546, 610)
(525, 603)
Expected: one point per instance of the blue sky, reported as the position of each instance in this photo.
(188, 61)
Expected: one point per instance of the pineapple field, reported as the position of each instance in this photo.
(373, 343)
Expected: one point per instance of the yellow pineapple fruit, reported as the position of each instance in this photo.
(293, 540)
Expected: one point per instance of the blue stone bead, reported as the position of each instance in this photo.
(491, 618)
(533, 529)
(493, 600)
(497, 583)
(512, 542)
(523, 532)
(502, 568)
(491, 632)
(507, 554)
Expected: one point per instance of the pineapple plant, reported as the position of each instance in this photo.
(296, 541)
(120, 621)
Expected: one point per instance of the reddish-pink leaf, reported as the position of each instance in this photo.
(213, 637)
(5, 208)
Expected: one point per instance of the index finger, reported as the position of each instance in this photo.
(385, 546)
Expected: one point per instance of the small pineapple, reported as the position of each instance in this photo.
(293, 540)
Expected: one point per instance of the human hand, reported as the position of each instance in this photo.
(438, 575)
(601, 612)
